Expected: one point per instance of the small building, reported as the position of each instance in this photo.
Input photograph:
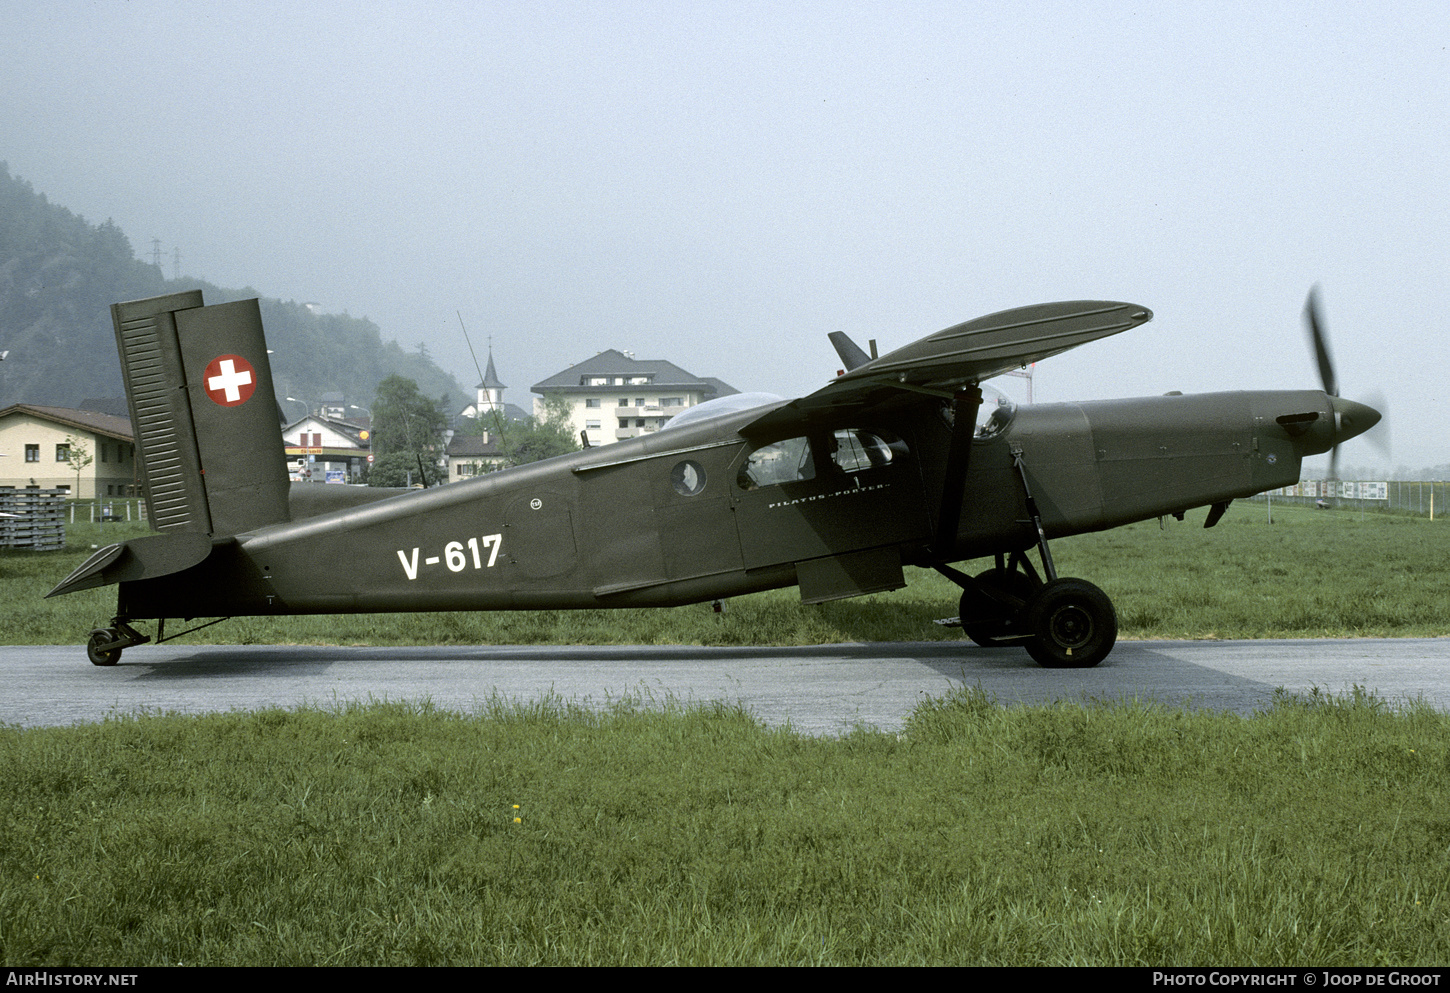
(469, 455)
(327, 449)
(37, 442)
(615, 396)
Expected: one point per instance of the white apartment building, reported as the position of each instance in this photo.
(614, 396)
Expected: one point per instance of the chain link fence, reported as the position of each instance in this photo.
(1419, 498)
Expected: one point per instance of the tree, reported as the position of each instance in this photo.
(540, 437)
(407, 428)
(402, 469)
(404, 420)
(77, 457)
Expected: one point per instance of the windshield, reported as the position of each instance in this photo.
(995, 413)
(721, 405)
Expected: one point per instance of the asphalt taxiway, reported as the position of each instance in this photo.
(816, 690)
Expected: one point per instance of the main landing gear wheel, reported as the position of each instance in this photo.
(1073, 625)
(989, 633)
(94, 647)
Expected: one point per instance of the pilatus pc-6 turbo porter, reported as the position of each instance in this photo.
(903, 459)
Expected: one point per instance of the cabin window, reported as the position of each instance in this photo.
(786, 461)
(854, 450)
(844, 452)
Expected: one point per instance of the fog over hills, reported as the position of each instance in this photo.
(60, 273)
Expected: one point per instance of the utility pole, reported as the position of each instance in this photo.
(156, 253)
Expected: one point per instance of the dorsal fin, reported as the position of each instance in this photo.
(851, 355)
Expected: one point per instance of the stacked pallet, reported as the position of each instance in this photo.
(34, 519)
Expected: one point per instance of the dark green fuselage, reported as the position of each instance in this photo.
(615, 526)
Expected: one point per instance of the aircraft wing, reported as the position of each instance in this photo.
(967, 353)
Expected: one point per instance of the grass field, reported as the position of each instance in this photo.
(1310, 574)
(1317, 833)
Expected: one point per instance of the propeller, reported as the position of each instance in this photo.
(1315, 322)
(1350, 418)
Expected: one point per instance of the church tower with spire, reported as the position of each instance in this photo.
(490, 391)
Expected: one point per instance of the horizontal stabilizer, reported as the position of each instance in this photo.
(139, 558)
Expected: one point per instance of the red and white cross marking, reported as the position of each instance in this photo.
(230, 380)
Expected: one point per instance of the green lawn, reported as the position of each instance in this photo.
(1317, 833)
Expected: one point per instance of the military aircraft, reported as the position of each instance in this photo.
(902, 459)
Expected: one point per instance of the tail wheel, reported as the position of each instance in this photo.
(94, 650)
(1073, 625)
(992, 633)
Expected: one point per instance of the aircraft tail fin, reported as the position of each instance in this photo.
(203, 412)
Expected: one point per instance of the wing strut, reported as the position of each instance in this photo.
(1047, 566)
(965, 404)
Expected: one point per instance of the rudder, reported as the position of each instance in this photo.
(204, 413)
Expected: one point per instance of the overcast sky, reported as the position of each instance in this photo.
(722, 184)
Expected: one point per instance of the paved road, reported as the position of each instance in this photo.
(818, 690)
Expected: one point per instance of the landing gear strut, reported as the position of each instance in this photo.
(104, 645)
(1063, 623)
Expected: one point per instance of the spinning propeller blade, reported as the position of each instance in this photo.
(1315, 327)
(1351, 418)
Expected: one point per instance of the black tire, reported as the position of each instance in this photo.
(99, 637)
(1073, 625)
(988, 634)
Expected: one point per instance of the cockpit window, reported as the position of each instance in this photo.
(719, 407)
(993, 415)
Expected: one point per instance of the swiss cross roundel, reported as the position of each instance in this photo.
(229, 380)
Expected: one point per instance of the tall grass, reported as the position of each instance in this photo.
(1316, 833)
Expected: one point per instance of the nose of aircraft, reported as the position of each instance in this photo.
(1352, 419)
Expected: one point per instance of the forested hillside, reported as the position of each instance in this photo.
(59, 275)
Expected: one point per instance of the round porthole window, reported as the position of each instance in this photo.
(688, 478)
